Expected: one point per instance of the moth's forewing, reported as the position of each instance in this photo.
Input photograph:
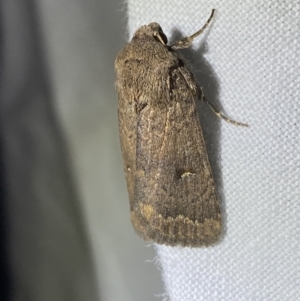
(171, 188)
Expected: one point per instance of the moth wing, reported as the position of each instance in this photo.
(127, 125)
(174, 194)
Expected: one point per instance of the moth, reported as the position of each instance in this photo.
(171, 189)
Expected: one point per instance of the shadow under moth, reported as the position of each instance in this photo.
(171, 189)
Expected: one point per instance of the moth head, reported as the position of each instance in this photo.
(152, 30)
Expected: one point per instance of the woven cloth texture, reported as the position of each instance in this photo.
(248, 65)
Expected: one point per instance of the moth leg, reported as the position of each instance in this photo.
(187, 41)
(219, 114)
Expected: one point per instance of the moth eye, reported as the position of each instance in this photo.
(161, 37)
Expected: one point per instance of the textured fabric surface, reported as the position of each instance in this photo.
(64, 210)
(248, 61)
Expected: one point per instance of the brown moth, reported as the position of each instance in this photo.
(171, 188)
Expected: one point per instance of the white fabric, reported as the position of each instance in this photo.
(248, 61)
